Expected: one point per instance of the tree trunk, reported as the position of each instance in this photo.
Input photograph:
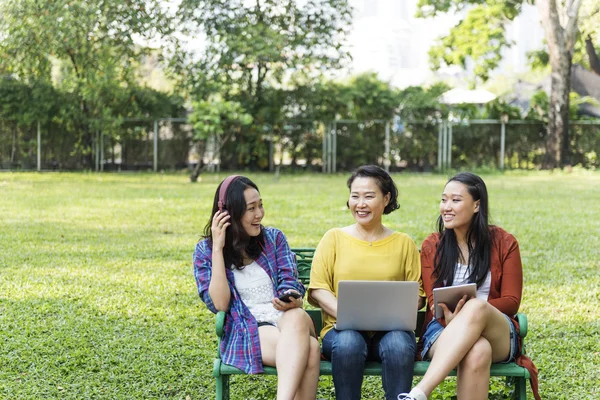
(592, 55)
(557, 145)
(561, 40)
(201, 148)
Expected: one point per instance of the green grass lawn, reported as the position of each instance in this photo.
(98, 300)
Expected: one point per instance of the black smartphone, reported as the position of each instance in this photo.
(287, 297)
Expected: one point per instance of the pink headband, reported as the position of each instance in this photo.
(223, 190)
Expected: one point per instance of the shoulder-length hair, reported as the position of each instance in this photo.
(479, 238)
(237, 240)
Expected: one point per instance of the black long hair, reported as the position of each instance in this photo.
(237, 240)
(384, 182)
(479, 238)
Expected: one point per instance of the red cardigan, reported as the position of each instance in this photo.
(506, 285)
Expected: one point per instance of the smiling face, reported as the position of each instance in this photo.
(367, 202)
(457, 208)
(254, 212)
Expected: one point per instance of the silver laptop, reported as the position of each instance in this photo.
(377, 305)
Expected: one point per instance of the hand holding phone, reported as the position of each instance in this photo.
(287, 297)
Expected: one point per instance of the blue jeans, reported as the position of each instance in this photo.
(348, 350)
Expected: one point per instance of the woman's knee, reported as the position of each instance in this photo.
(349, 343)
(476, 310)
(479, 357)
(398, 344)
(296, 318)
(314, 358)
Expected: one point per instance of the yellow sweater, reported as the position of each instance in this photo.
(341, 257)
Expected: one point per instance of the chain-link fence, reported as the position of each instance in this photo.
(164, 144)
(18, 146)
(137, 144)
(168, 144)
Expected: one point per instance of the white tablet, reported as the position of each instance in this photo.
(451, 295)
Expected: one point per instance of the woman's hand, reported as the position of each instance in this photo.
(449, 315)
(218, 228)
(283, 306)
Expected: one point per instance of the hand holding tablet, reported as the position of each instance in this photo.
(451, 295)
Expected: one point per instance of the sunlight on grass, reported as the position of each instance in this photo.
(98, 298)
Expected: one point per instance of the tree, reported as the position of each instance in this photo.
(560, 26)
(480, 38)
(218, 119)
(257, 47)
(21, 106)
(590, 32)
(92, 47)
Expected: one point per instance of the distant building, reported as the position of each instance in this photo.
(388, 39)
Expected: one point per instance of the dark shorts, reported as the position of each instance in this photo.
(313, 333)
(434, 330)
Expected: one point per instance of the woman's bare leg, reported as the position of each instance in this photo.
(287, 348)
(473, 378)
(310, 380)
(476, 319)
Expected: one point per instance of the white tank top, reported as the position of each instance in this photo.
(256, 290)
(461, 276)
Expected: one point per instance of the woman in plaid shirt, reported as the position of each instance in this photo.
(244, 269)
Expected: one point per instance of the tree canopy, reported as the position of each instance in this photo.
(480, 38)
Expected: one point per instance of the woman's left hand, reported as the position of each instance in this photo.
(449, 315)
(283, 306)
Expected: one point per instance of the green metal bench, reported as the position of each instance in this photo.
(516, 376)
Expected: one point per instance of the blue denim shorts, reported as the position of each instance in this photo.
(434, 330)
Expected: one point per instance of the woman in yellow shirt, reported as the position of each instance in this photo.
(365, 250)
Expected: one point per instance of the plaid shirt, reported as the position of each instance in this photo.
(240, 346)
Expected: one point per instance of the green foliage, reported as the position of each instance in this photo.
(588, 24)
(371, 98)
(253, 44)
(85, 48)
(538, 107)
(538, 59)
(25, 104)
(255, 51)
(215, 116)
(499, 108)
(99, 299)
(478, 38)
(419, 103)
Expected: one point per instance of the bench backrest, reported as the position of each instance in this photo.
(304, 257)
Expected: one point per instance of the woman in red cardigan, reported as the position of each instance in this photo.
(481, 330)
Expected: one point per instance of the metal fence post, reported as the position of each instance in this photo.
(271, 167)
(324, 156)
(218, 151)
(386, 156)
(96, 152)
(39, 147)
(450, 145)
(445, 146)
(155, 160)
(440, 149)
(502, 144)
(101, 151)
(334, 148)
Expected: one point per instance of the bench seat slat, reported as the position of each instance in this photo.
(374, 368)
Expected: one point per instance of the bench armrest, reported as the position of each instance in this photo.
(522, 320)
(220, 323)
